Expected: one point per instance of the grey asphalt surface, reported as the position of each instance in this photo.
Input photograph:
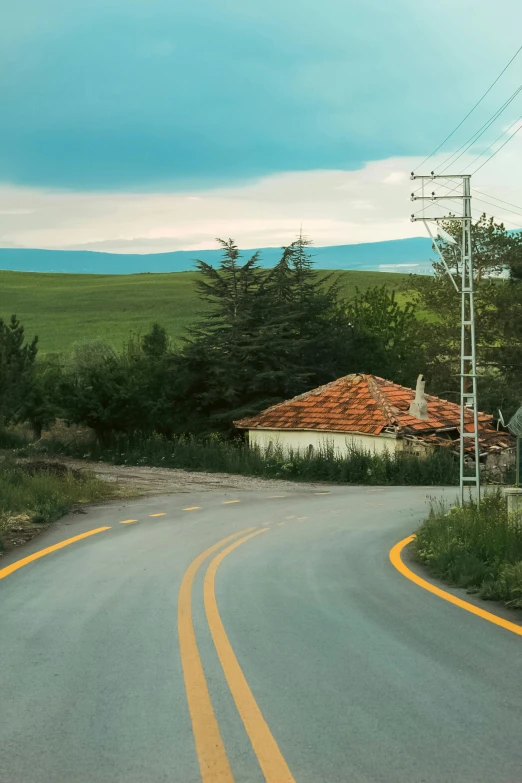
(361, 675)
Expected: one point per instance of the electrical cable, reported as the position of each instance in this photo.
(471, 141)
(472, 110)
(490, 203)
(501, 146)
(519, 214)
(488, 195)
(481, 131)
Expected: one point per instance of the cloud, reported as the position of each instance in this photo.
(170, 96)
(333, 207)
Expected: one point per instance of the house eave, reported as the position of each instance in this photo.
(382, 434)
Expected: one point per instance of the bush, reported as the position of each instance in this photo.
(215, 453)
(36, 497)
(478, 547)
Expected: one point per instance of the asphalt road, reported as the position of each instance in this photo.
(296, 652)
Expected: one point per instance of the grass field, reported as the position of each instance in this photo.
(63, 309)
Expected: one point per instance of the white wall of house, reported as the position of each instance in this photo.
(341, 441)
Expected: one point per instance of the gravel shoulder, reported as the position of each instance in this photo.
(142, 480)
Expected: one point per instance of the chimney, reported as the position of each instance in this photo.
(419, 406)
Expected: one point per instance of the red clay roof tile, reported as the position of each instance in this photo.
(366, 404)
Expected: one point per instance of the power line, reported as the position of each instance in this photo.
(488, 195)
(427, 206)
(469, 143)
(481, 131)
(490, 146)
(452, 190)
(519, 214)
(501, 146)
(472, 110)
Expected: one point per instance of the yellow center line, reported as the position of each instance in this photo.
(127, 521)
(395, 558)
(161, 514)
(228, 502)
(273, 765)
(211, 753)
(191, 508)
(42, 552)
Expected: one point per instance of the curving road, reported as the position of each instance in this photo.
(256, 636)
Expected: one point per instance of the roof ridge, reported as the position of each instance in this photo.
(381, 400)
(429, 397)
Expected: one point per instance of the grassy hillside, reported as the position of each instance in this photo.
(63, 309)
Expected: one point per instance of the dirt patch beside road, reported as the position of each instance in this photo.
(141, 480)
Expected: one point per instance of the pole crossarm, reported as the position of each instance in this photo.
(432, 197)
(439, 176)
(415, 219)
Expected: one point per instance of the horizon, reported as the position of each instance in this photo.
(173, 125)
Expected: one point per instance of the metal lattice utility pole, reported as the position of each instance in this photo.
(468, 358)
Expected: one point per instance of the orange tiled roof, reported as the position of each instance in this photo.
(363, 404)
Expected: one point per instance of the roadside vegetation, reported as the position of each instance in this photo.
(478, 547)
(216, 453)
(35, 493)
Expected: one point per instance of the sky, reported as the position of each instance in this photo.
(154, 125)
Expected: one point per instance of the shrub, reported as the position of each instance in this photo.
(478, 547)
(216, 453)
(36, 497)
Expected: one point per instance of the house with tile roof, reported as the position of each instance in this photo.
(370, 413)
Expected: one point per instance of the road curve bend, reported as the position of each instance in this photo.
(256, 636)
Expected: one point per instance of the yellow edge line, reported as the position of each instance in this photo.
(42, 552)
(395, 558)
(271, 760)
(210, 750)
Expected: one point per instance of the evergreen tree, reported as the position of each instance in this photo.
(268, 335)
(17, 358)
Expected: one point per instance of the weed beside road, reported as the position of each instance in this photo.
(34, 494)
(216, 454)
(478, 547)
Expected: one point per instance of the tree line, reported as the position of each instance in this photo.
(270, 334)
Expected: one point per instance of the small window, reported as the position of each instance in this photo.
(310, 450)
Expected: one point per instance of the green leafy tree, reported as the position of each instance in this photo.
(39, 406)
(497, 260)
(93, 390)
(386, 335)
(135, 391)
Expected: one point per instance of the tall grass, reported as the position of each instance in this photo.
(42, 497)
(215, 454)
(478, 547)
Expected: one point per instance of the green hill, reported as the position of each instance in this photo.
(63, 309)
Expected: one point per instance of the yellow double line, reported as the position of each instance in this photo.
(210, 749)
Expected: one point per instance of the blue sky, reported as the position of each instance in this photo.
(148, 94)
(152, 125)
